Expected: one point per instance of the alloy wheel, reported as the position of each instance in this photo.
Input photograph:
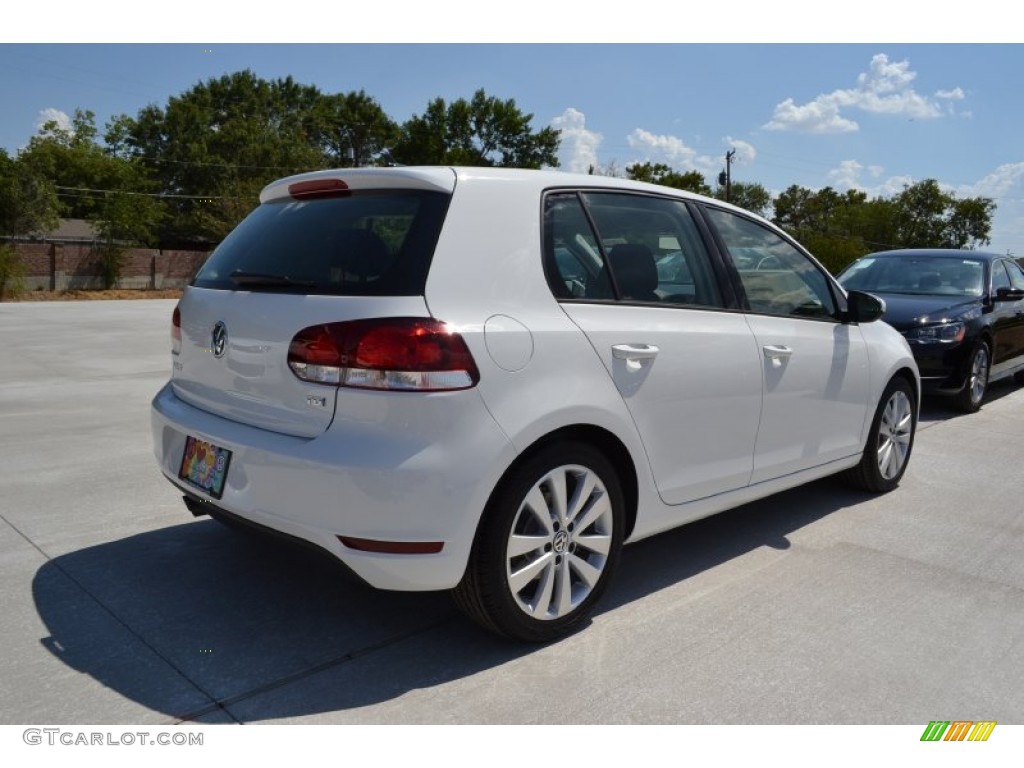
(979, 374)
(559, 542)
(895, 431)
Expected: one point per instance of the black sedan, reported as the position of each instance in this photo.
(961, 311)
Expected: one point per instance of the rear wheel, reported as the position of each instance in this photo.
(889, 442)
(969, 400)
(548, 543)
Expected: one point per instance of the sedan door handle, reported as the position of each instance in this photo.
(635, 351)
(777, 353)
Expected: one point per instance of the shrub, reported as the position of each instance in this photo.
(12, 272)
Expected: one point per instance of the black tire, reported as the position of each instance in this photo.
(1018, 377)
(890, 440)
(535, 574)
(970, 397)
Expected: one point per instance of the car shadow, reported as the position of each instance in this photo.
(232, 616)
(935, 408)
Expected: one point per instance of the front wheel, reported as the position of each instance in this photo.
(969, 399)
(547, 545)
(890, 440)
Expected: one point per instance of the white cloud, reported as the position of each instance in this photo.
(51, 113)
(847, 175)
(886, 88)
(670, 150)
(819, 116)
(578, 149)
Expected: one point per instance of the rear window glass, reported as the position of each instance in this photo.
(373, 243)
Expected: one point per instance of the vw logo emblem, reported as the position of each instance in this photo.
(560, 543)
(219, 340)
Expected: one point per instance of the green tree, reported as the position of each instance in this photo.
(113, 192)
(660, 173)
(484, 131)
(927, 217)
(28, 201)
(352, 129)
(216, 145)
(750, 196)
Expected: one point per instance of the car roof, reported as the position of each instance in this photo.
(445, 178)
(946, 253)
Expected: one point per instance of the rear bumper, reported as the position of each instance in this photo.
(363, 478)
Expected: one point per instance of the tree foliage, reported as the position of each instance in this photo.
(750, 196)
(839, 228)
(113, 193)
(660, 173)
(483, 131)
(28, 201)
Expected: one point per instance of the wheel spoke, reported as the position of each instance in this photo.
(518, 580)
(600, 507)
(586, 571)
(556, 484)
(563, 588)
(600, 544)
(580, 497)
(521, 545)
(536, 503)
(542, 597)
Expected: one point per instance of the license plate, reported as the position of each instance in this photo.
(205, 466)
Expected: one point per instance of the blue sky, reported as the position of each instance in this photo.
(873, 116)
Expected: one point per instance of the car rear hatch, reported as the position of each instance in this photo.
(321, 249)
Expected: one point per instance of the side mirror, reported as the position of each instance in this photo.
(863, 307)
(1009, 294)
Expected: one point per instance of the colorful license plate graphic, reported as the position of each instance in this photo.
(205, 466)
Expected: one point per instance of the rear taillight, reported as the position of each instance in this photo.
(176, 331)
(403, 353)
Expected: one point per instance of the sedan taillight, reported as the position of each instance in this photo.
(401, 353)
(176, 331)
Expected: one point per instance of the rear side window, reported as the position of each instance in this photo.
(633, 248)
(374, 243)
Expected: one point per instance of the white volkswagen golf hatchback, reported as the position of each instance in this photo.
(488, 380)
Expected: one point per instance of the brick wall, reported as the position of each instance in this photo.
(65, 266)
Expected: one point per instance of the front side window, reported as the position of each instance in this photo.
(1016, 275)
(629, 248)
(999, 277)
(777, 278)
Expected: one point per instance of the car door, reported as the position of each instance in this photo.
(652, 306)
(1008, 322)
(814, 367)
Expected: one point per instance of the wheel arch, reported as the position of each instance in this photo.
(606, 442)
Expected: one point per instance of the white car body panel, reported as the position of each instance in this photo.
(696, 403)
(816, 396)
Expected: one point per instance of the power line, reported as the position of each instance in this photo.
(149, 194)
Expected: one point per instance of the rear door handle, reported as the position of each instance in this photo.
(634, 354)
(777, 353)
(635, 351)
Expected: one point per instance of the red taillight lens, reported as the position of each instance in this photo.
(176, 331)
(403, 353)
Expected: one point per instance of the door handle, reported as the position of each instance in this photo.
(635, 351)
(776, 354)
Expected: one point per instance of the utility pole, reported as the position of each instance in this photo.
(725, 177)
